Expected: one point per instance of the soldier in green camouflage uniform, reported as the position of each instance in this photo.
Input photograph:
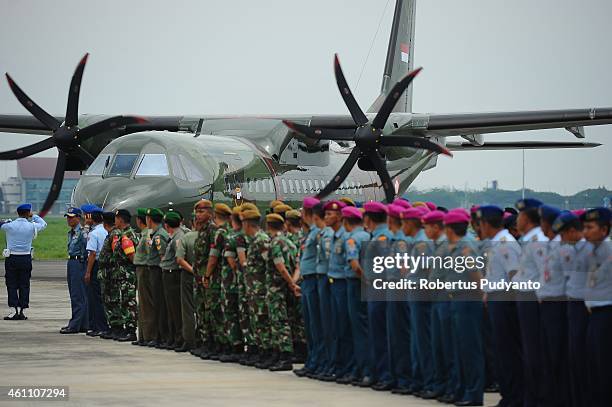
(107, 273)
(124, 249)
(293, 222)
(204, 322)
(255, 275)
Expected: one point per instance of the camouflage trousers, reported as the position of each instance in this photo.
(243, 312)
(229, 310)
(213, 319)
(280, 330)
(202, 335)
(124, 295)
(259, 321)
(112, 298)
(105, 287)
(296, 319)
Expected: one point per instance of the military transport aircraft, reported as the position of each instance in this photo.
(130, 161)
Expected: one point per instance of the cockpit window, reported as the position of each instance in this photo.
(122, 165)
(153, 165)
(99, 164)
(177, 168)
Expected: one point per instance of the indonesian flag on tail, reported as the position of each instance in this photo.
(404, 49)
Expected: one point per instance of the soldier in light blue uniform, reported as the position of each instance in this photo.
(18, 254)
(342, 348)
(503, 260)
(598, 298)
(357, 308)
(534, 248)
(375, 222)
(310, 296)
(77, 240)
(571, 259)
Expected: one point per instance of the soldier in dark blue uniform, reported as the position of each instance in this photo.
(77, 241)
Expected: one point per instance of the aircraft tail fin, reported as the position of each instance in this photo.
(400, 55)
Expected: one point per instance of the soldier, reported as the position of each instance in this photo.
(146, 327)
(598, 298)
(156, 245)
(171, 279)
(466, 312)
(293, 222)
(281, 209)
(255, 275)
(310, 297)
(357, 308)
(213, 282)
(205, 328)
(124, 249)
(79, 320)
(280, 285)
(503, 256)
(106, 273)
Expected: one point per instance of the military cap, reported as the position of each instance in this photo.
(236, 210)
(579, 212)
(347, 201)
(141, 212)
(402, 202)
(510, 220)
(222, 209)
(375, 207)
(454, 217)
(154, 212)
(419, 204)
(282, 208)
(431, 206)
(433, 217)
(203, 203)
(548, 213)
(24, 207)
(172, 215)
(293, 214)
(274, 217)
(507, 215)
(411, 213)
(333, 205)
(474, 209)
(511, 210)
(72, 212)
(108, 217)
(489, 212)
(123, 212)
(250, 214)
(462, 210)
(565, 219)
(351, 212)
(90, 208)
(395, 210)
(310, 202)
(275, 202)
(600, 214)
(527, 203)
(442, 208)
(248, 205)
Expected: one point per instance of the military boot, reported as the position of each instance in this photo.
(233, 356)
(127, 336)
(246, 357)
(283, 363)
(270, 361)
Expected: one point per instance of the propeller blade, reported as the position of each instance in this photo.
(358, 116)
(414, 142)
(383, 174)
(320, 133)
(28, 150)
(391, 100)
(106, 125)
(56, 185)
(84, 155)
(343, 172)
(72, 109)
(45, 118)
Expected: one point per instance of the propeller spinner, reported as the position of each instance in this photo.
(368, 136)
(66, 136)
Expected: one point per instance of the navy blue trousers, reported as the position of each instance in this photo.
(469, 358)
(358, 315)
(555, 381)
(75, 272)
(379, 357)
(444, 369)
(398, 343)
(528, 311)
(342, 336)
(327, 351)
(420, 329)
(312, 321)
(17, 273)
(508, 350)
(97, 317)
(599, 338)
(577, 324)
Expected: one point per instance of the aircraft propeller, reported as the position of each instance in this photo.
(66, 136)
(368, 136)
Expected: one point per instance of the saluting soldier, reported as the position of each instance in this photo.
(146, 328)
(171, 279)
(124, 249)
(106, 274)
(280, 285)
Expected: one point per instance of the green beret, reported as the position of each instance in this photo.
(154, 212)
(141, 212)
(172, 216)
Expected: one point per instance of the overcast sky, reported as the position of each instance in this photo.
(275, 56)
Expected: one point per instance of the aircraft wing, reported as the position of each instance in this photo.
(521, 145)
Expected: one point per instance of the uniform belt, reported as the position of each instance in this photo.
(20, 253)
(309, 276)
(77, 257)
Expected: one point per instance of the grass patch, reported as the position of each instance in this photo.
(51, 242)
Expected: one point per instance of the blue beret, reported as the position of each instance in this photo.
(72, 211)
(90, 208)
(548, 213)
(24, 207)
(527, 203)
(489, 212)
(600, 214)
(562, 221)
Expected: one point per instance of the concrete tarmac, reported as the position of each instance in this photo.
(105, 372)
